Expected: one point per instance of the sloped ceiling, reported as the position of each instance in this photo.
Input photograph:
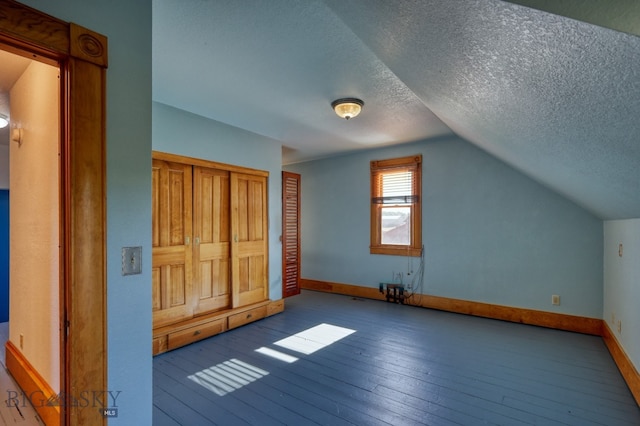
(620, 15)
(557, 98)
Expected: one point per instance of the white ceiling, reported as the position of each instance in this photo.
(557, 98)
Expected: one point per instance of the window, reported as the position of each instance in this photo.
(396, 218)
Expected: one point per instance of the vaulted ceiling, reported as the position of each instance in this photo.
(556, 97)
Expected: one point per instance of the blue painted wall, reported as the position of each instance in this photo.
(4, 255)
(179, 132)
(491, 234)
(622, 284)
(127, 24)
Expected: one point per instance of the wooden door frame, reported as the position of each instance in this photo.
(81, 55)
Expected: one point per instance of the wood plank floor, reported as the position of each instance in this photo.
(400, 366)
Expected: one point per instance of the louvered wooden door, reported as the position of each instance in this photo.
(171, 232)
(249, 238)
(211, 254)
(290, 234)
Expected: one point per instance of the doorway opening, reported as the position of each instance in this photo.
(81, 57)
(30, 170)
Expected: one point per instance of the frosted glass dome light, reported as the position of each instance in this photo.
(347, 107)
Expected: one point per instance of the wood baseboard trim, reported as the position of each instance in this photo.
(626, 367)
(506, 313)
(34, 387)
(338, 288)
(520, 315)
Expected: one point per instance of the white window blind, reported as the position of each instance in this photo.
(395, 187)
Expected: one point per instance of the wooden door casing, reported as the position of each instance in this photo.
(82, 57)
(249, 252)
(212, 242)
(290, 234)
(171, 242)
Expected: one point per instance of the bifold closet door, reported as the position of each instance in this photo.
(171, 234)
(249, 246)
(212, 242)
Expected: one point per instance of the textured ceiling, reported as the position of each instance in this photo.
(274, 68)
(557, 98)
(621, 15)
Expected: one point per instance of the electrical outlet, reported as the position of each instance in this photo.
(620, 249)
(21, 341)
(555, 299)
(619, 327)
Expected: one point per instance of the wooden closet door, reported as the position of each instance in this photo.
(290, 234)
(171, 253)
(211, 250)
(249, 250)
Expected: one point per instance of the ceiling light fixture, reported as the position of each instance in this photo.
(4, 121)
(347, 107)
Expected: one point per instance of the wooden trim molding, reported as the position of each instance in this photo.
(82, 56)
(29, 29)
(486, 310)
(558, 321)
(626, 367)
(85, 256)
(88, 45)
(175, 158)
(338, 288)
(35, 389)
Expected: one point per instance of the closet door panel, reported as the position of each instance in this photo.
(171, 232)
(250, 238)
(251, 271)
(212, 245)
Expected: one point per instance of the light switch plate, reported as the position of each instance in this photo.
(131, 260)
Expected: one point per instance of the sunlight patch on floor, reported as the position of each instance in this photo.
(277, 355)
(314, 338)
(231, 375)
(227, 376)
